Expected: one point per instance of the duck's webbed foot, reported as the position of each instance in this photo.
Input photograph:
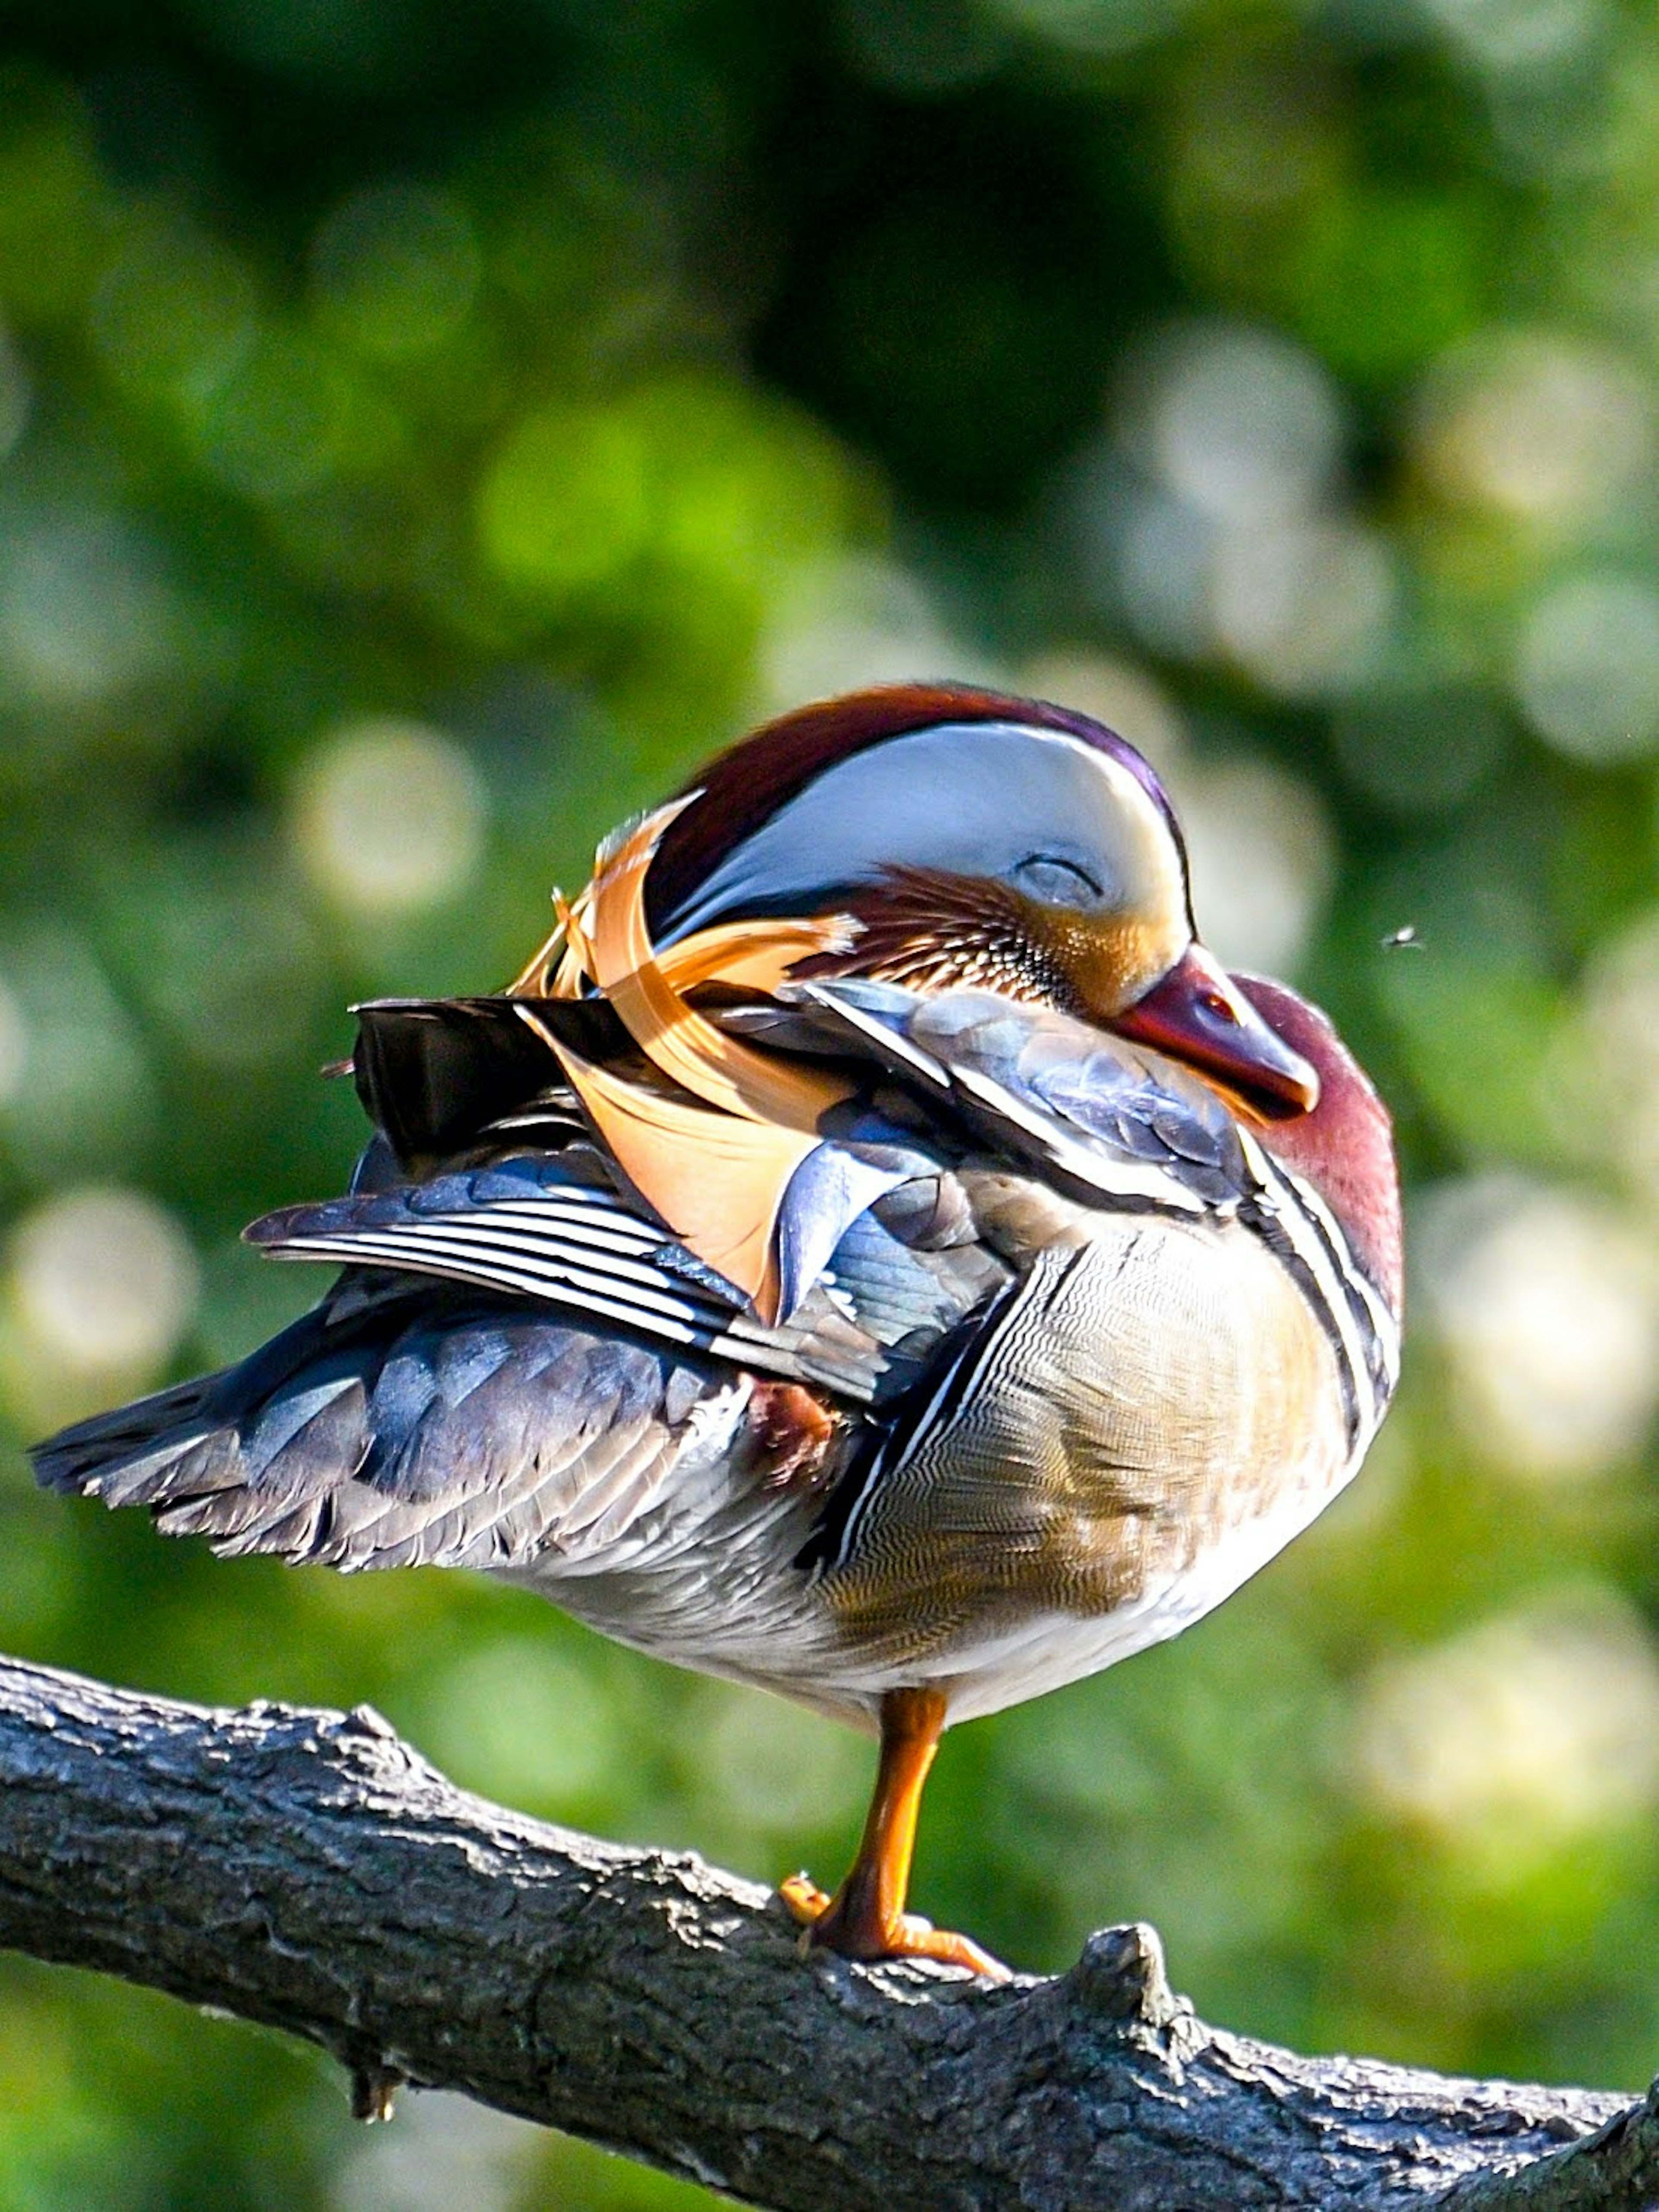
(827, 1924)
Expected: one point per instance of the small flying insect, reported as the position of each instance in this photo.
(1404, 939)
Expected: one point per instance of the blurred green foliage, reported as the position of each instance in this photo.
(424, 432)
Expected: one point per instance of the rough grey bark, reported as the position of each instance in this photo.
(310, 1870)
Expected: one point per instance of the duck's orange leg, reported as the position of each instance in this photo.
(865, 1919)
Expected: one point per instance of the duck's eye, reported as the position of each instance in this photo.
(1059, 882)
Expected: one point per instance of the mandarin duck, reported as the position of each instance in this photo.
(872, 1251)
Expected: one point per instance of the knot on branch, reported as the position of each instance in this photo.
(354, 1750)
(1121, 1978)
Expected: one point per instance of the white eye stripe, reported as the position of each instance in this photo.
(976, 799)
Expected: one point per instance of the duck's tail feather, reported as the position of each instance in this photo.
(177, 1448)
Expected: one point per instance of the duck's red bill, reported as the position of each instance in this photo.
(1198, 1014)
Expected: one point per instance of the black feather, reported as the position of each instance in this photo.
(435, 1073)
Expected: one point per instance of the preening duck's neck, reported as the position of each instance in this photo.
(1345, 1146)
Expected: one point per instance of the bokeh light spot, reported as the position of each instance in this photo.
(1164, 550)
(1263, 855)
(1093, 27)
(1535, 425)
(836, 623)
(564, 506)
(100, 1285)
(771, 1772)
(174, 311)
(388, 818)
(1607, 1070)
(444, 2152)
(14, 1045)
(396, 267)
(279, 425)
(1588, 668)
(517, 1718)
(77, 1087)
(85, 608)
(1305, 607)
(1521, 1737)
(1520, 35)
(1240, 422)
(1547, 1304)
(223, 952)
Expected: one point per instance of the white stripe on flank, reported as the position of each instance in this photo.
(1285, 1197)
(1384, 1327)
(889, 1042)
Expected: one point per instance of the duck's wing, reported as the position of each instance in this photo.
(520, 1347)
(924, 1085)
(535, 1229)
(408, 1427)
(511, 1369)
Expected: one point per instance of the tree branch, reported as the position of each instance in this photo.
(308, 1869)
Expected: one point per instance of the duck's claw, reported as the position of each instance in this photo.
(806, 1905)
(825, 1927)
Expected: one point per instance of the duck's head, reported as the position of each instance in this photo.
(978, 840)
